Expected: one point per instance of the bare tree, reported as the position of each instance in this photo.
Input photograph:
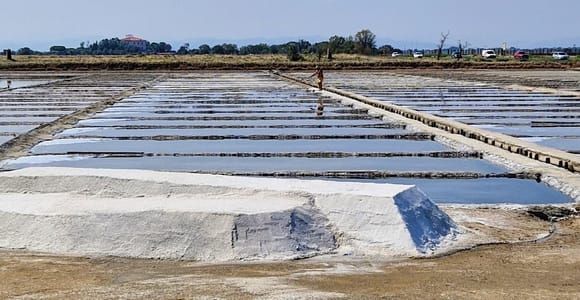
(442, 44)
(462, 47)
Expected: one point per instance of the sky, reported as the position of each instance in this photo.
(404, 24)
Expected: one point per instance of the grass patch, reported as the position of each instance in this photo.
(264, 62)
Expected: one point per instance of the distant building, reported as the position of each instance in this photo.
(137, 42)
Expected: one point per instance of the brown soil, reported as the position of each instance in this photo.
(545, 270)
(550, 269)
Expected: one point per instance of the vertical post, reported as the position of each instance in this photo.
(8, 54)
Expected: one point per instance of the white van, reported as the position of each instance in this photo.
(488, 54)
(560, 55)
(418, 54)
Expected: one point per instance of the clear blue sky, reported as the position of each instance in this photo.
(415, 23)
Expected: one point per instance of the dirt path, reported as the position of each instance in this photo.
(528, 270)
(531, 271)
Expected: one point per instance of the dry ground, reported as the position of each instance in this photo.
(549, 269)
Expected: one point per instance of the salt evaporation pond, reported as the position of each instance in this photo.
(483, 190)
(546, 119)
(253, 124)
(18, 83)
(31, 104)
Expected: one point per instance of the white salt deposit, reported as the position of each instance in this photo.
(73, 131)
(213, 218)
(70, 141)
(40, 159)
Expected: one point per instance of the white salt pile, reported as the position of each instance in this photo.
(151, 214)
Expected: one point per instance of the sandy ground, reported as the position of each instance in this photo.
(547, 269)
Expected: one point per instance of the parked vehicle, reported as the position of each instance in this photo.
(418, 54)
(488, 54)
(457, 55)
(560, 55)
(521, 56)
(396, 54)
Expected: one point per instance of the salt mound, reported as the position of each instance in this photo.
(150, 214)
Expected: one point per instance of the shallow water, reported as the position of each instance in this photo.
(257, 165)
(18, 83)
(241, 123)
(116, 132)
(568, 144)
(233, 123)
(4, 139)
(228, 146)
(16, 128)
(519, 113)
(38, 120)
(523, 131)
(30, 106)
(483, 190)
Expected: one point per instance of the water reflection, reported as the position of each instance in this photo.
(320, 107)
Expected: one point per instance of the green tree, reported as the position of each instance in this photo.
(218, 49)
(230, 49)
(275, 49)
(293, 52)
(303, 46)
(153, 48)
(204, 49)
(349, 45)
(365, 42)
(386, 49)
(255, 49)
(320, 49)
(164, 47)
(183, 49)
(336, 43)
(25, 51)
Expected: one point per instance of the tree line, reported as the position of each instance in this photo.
(113, 46)
(363, 42)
